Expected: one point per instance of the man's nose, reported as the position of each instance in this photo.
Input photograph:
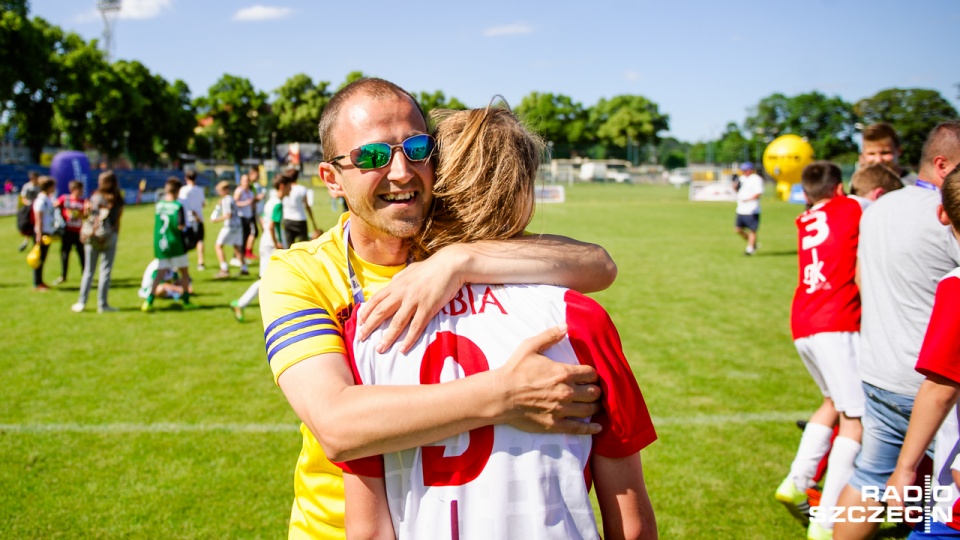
(401, 170)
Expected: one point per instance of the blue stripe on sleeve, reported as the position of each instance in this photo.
(291, 316)
(294, 327)
(301, 337)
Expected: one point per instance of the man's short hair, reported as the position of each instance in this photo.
(74, 184)
(280, 180)
(820, 180)
(292, 174)
(46, 183)
(944, 140)
(173, 185)
(190, 175)
(33, 175)
(372, 87)
(879, 132)
(950, 192)
(873, 176)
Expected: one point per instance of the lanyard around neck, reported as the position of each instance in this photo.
(926, 185)
(355, 287)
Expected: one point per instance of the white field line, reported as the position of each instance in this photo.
(702, 420)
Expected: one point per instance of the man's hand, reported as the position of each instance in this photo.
(548, 396)
(412, 297)
(316, 233)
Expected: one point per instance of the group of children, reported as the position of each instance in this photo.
(826, 328)
(178, 230)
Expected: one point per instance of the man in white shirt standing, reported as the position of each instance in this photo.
(748, 206)
(192, 198)
(296, 208)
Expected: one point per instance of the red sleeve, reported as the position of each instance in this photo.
(940, 354)
(627, 427)
(368, 466)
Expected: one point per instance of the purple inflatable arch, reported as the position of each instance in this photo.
(71, 165)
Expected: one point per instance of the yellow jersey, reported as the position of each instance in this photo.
(305, 297)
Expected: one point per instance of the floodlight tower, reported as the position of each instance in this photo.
(109, 9)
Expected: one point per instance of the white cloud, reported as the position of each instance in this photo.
(509, 29)
(261, 13)
(631, 75)
(143, 9)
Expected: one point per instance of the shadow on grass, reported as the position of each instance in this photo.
(784, 253)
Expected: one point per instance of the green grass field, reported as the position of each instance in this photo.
(169, 425)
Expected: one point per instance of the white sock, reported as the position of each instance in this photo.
(814, 444)
(251, 293)
(839, 470)
(224, 267)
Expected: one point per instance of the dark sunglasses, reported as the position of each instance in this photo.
(378, 154)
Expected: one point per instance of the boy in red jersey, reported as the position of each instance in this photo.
(71, 207)
(934, 410)
(825, 322)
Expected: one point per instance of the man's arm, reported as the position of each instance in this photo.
(937, 395)
(622, 496)
(350, 421)
(418, 292)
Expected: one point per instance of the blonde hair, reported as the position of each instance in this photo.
(486, 174)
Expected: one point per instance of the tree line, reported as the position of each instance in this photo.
(58, 89)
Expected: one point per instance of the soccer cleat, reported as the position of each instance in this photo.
(796, 500)
(235, 262)
(817, 532)
(201, 268)
(244, 272)
(237, 311)
(749, 251)
(59, 280)
(77, 308)
(41, 288)
(146, 307)
(107, 309)
(813, 496)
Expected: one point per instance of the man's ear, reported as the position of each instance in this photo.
(942, 215)
(838, 192)
(331, 178)
(875, 193)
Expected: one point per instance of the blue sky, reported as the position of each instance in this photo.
(705, 62)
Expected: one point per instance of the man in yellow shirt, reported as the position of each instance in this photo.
(378, 156)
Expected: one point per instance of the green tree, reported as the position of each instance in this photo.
(438, 100)
(556, 117)
(733, 147)
(236, 109)
(35, 87)
(913, 112)
(827, 122)
(20, 47)
(298, 106)
(626, 118)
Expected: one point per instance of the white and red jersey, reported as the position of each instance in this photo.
(827, 298)
(940, 355)
(498, 481)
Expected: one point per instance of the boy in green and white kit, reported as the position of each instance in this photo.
(272, 221)
(168, 244)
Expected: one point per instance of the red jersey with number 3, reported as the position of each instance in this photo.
(497, 481)
(940, 355)
(827, 298)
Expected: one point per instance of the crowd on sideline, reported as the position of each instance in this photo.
(91, 226)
